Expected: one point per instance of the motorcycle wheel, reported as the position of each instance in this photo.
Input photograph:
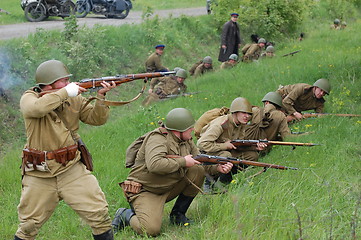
(68, 9)
(116, 14)
(35, 13)
(82, 9)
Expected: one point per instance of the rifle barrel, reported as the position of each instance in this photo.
(240, 143)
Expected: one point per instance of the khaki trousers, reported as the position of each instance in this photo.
(77, 187)
(149, 206)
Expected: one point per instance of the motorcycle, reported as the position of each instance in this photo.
(38, 10)
(108, 8)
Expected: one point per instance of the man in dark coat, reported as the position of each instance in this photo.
(230, 39)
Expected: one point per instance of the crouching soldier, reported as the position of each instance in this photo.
(164, 169)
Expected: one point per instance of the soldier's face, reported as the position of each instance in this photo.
(60, 83)
(186, 135)
(180, 79)
(159, 51)
(243, 117)
(319, 93)
(207, 65)
(234, 18)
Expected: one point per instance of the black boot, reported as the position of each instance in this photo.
(108, 235)
(17, 238)
(177, 215)
(122, 218)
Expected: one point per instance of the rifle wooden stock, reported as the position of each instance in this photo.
(90, 83)
(247, 143)
(204, 158)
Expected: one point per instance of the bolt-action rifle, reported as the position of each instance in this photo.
(291, 53)
(310, 115)
(246, 143)
(209, 159)
(181, 95)
(93, 83)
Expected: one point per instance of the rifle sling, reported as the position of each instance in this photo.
(116, 103)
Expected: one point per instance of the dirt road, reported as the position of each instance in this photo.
(24, 29)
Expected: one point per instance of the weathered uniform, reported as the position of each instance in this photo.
(52, 181)
(163, 178)
(228, 64)
(253, 53)
(201, 69)
(300, 97)
(154, 64)
(230, 37)
(162, 87)
(277, 123)
(336, 27)
(220, 130)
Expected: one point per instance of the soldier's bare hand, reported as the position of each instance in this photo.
(261, 146)
(106, 87)
(190, 162)
(229, 145)
(224, 168)
(298, 115)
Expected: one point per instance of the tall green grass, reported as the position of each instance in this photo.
(319, 201)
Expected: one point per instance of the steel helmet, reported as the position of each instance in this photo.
(323, 84)
(273, 97)
(261, 40)
(176, 69)
(233, 57)
(270, 49)
(344, 23)
(50, 71)
(179, 119)
(207, 59)
(181, 73)
(336, 21)
(241, 104)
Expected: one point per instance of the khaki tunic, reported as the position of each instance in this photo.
(277, 124)
(162, 178)
(253, 53)
(201, 69)
(154, 64)
(72, 183)
(227, 64)
(299, 97)
(163, 87)
(220, 130)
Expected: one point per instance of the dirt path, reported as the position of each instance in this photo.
(24, 29)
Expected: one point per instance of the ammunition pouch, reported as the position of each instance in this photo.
(130, 187)
(85, 156)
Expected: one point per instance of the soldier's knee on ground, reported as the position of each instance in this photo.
(150, 229)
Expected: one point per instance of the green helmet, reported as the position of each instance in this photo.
(233, 57)
(241, 104)
(336, 21)
(270, 49)
(261, 40)
(181, 73)
(323, 84)
(50, 71)
(273, 97)
(179, 119)
(344, 23)
(207, 59)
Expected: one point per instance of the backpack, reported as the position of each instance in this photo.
(133, 149)
(193, 68)
(245, 48)
(207, 117)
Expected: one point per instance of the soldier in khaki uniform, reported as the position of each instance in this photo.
(215, 138)
(51, 168)
(160, 88)
(301, 97)
(276, 123)
(231, 62)
(336, 24)
(254, 51)
(270, 52)
(154, 63)
(204, 67)
(164, 169)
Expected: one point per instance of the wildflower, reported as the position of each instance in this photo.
(186, 224)
(319, 65)
(250, 183)
(358, 122)
(152, 123)
(296, 128)
(312, 164)
(205, 98)
(233, 181)
(162, 118)
(308, 125)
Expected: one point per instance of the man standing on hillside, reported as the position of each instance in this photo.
(52, 167)
(153, 63)
(301, 97)
(164, 169)
(160, 88)
(230, 39)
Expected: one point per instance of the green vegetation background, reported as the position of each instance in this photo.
(319, 201)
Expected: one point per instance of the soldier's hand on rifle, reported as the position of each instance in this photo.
(229, 145)
(224, 168)
(298, 115)
(106, 87)
(261, 146)
(190, 162)
(73, 89)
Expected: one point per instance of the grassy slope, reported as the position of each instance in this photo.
(17, 14)
(326, 191)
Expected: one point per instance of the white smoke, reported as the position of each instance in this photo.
(8, 79)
